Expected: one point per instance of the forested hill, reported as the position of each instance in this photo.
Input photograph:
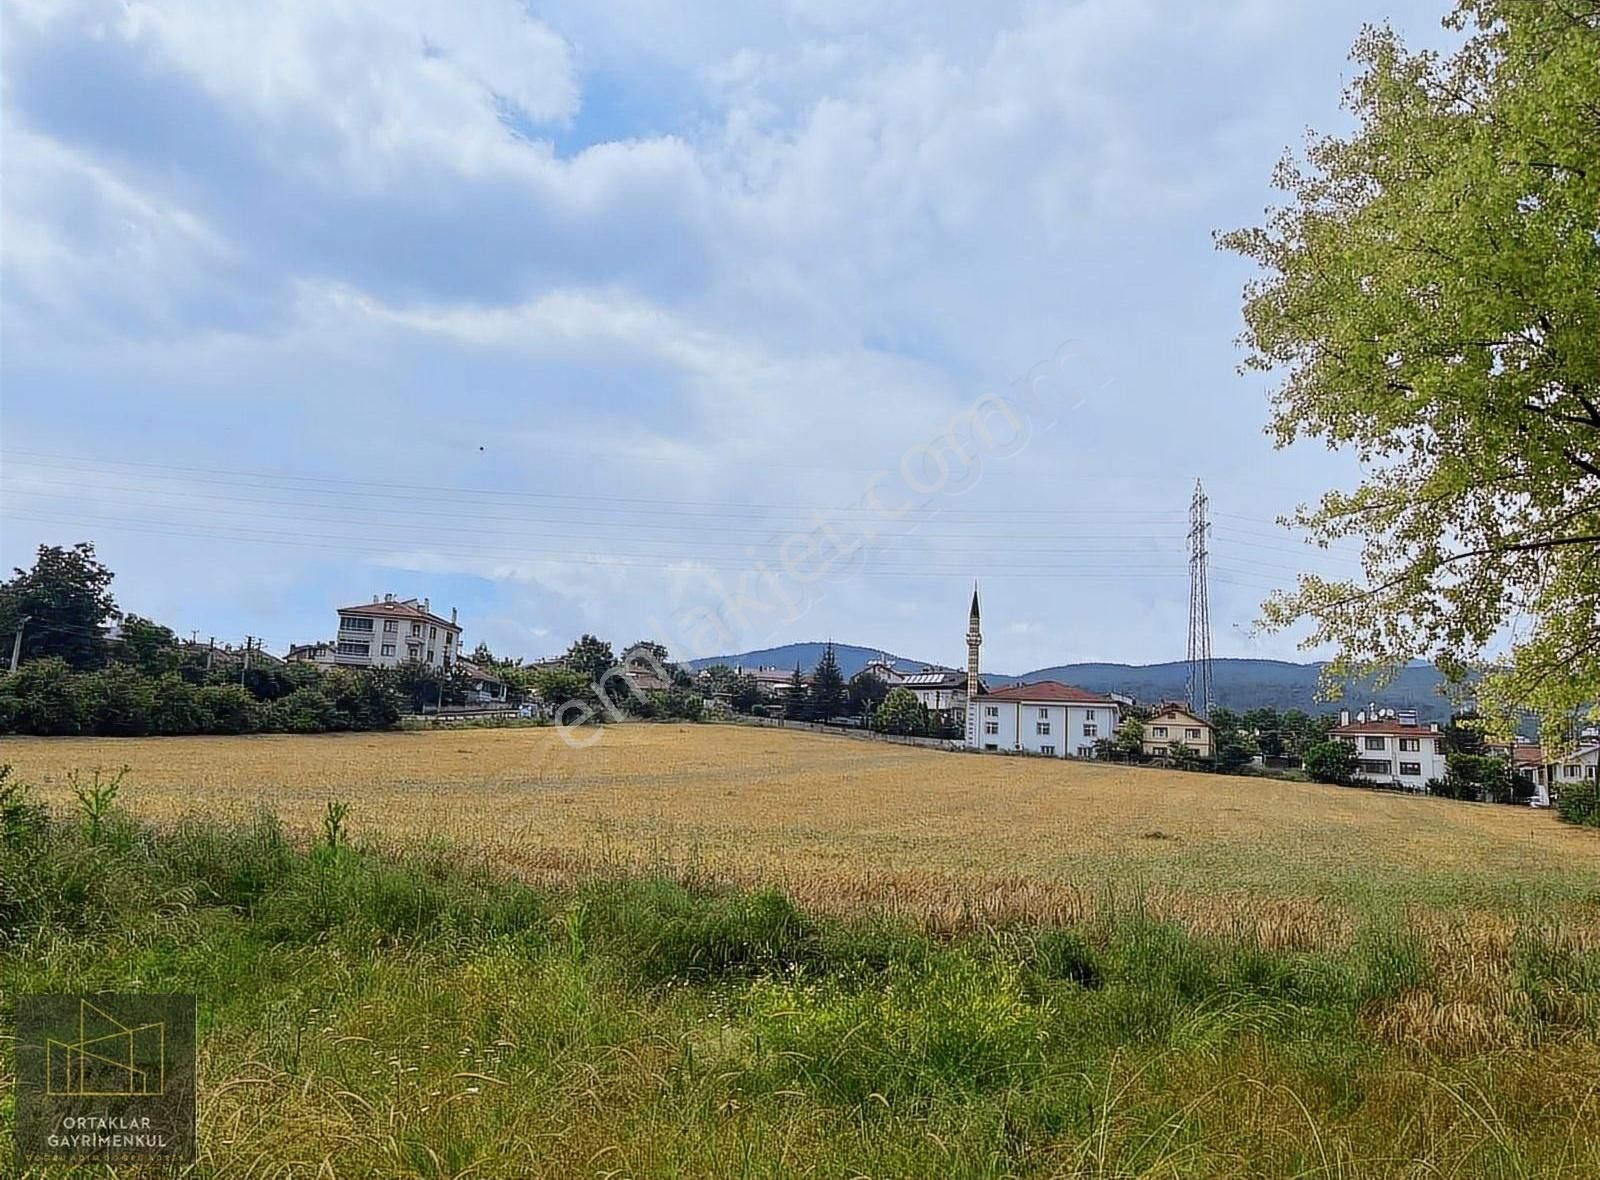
(1240, 684)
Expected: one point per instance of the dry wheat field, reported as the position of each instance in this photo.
(848, 823)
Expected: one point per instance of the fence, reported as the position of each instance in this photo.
(863, 734)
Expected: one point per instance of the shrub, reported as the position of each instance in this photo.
(1579, 803)
(305, 710)
(1333, 762)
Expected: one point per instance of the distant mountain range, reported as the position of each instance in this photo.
(1240, 684)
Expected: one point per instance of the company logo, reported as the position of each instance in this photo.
(108, 1059)
(105, 1075)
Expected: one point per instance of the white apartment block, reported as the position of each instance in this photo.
(1395, 751)
(1048, 718)
(388, 632)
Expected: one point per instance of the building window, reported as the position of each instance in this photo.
(1089, 715)
(1375, 766)
(1044, 712)
(1413, 769)
(390, 626)
(433, 632)
(1192, 734)
(1160, 731)
(416, 628)
(388, 649)
(1410, 745)
(430, 655)
(347, 624)
(1375, 743)
(991, 710)
(1042, 728)
(1085, 751)
(1091, 731)
(354, 649)
(447, 639)
(991, 727)
(1047, 749)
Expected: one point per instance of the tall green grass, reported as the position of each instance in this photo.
(377, 1013)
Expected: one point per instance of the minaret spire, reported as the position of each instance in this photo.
(974, 684)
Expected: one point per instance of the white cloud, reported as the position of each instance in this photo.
(375, 236)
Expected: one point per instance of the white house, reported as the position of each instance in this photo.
(484, 687)
(388, 632)
(1047, 718)
(1580, 765)
(883, 668)
(1396, 751)
(940, 689)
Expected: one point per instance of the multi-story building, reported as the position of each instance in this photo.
(1395, 750)
(388, 632)
(1172, 723)
(1047, 718)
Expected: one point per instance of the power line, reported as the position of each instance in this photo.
(412, 491)
(650, 561)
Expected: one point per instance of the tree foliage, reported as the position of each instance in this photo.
(1333, 762)
(590, 657)
(826, 696)
(900, 713)
(1432, 299)
(865, 693)
(66, 600)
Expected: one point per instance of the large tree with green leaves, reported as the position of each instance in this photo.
(1431, 299)
(63, 605)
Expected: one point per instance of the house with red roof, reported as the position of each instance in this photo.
(1394, 748)
(1048, 717)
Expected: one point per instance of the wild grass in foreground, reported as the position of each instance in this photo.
(368, 1013)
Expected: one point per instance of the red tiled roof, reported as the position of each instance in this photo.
(1524, 755)
(396, 610)
(1166, 711)
(1391, 728)
(1048, 692)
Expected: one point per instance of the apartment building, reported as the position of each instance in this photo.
(1047, 718)
(1394, 749)
(391, 631)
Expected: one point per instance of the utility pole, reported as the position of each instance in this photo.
(211, 651)
(245, 664)
(16, 643)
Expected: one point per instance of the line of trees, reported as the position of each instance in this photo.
(826, 696)
(77, 675)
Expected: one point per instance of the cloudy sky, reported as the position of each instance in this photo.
(576, 316)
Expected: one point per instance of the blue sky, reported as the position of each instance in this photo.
(571, 314)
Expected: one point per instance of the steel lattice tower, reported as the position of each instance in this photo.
(1199, 608)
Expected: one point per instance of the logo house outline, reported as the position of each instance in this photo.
(113, 1056)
